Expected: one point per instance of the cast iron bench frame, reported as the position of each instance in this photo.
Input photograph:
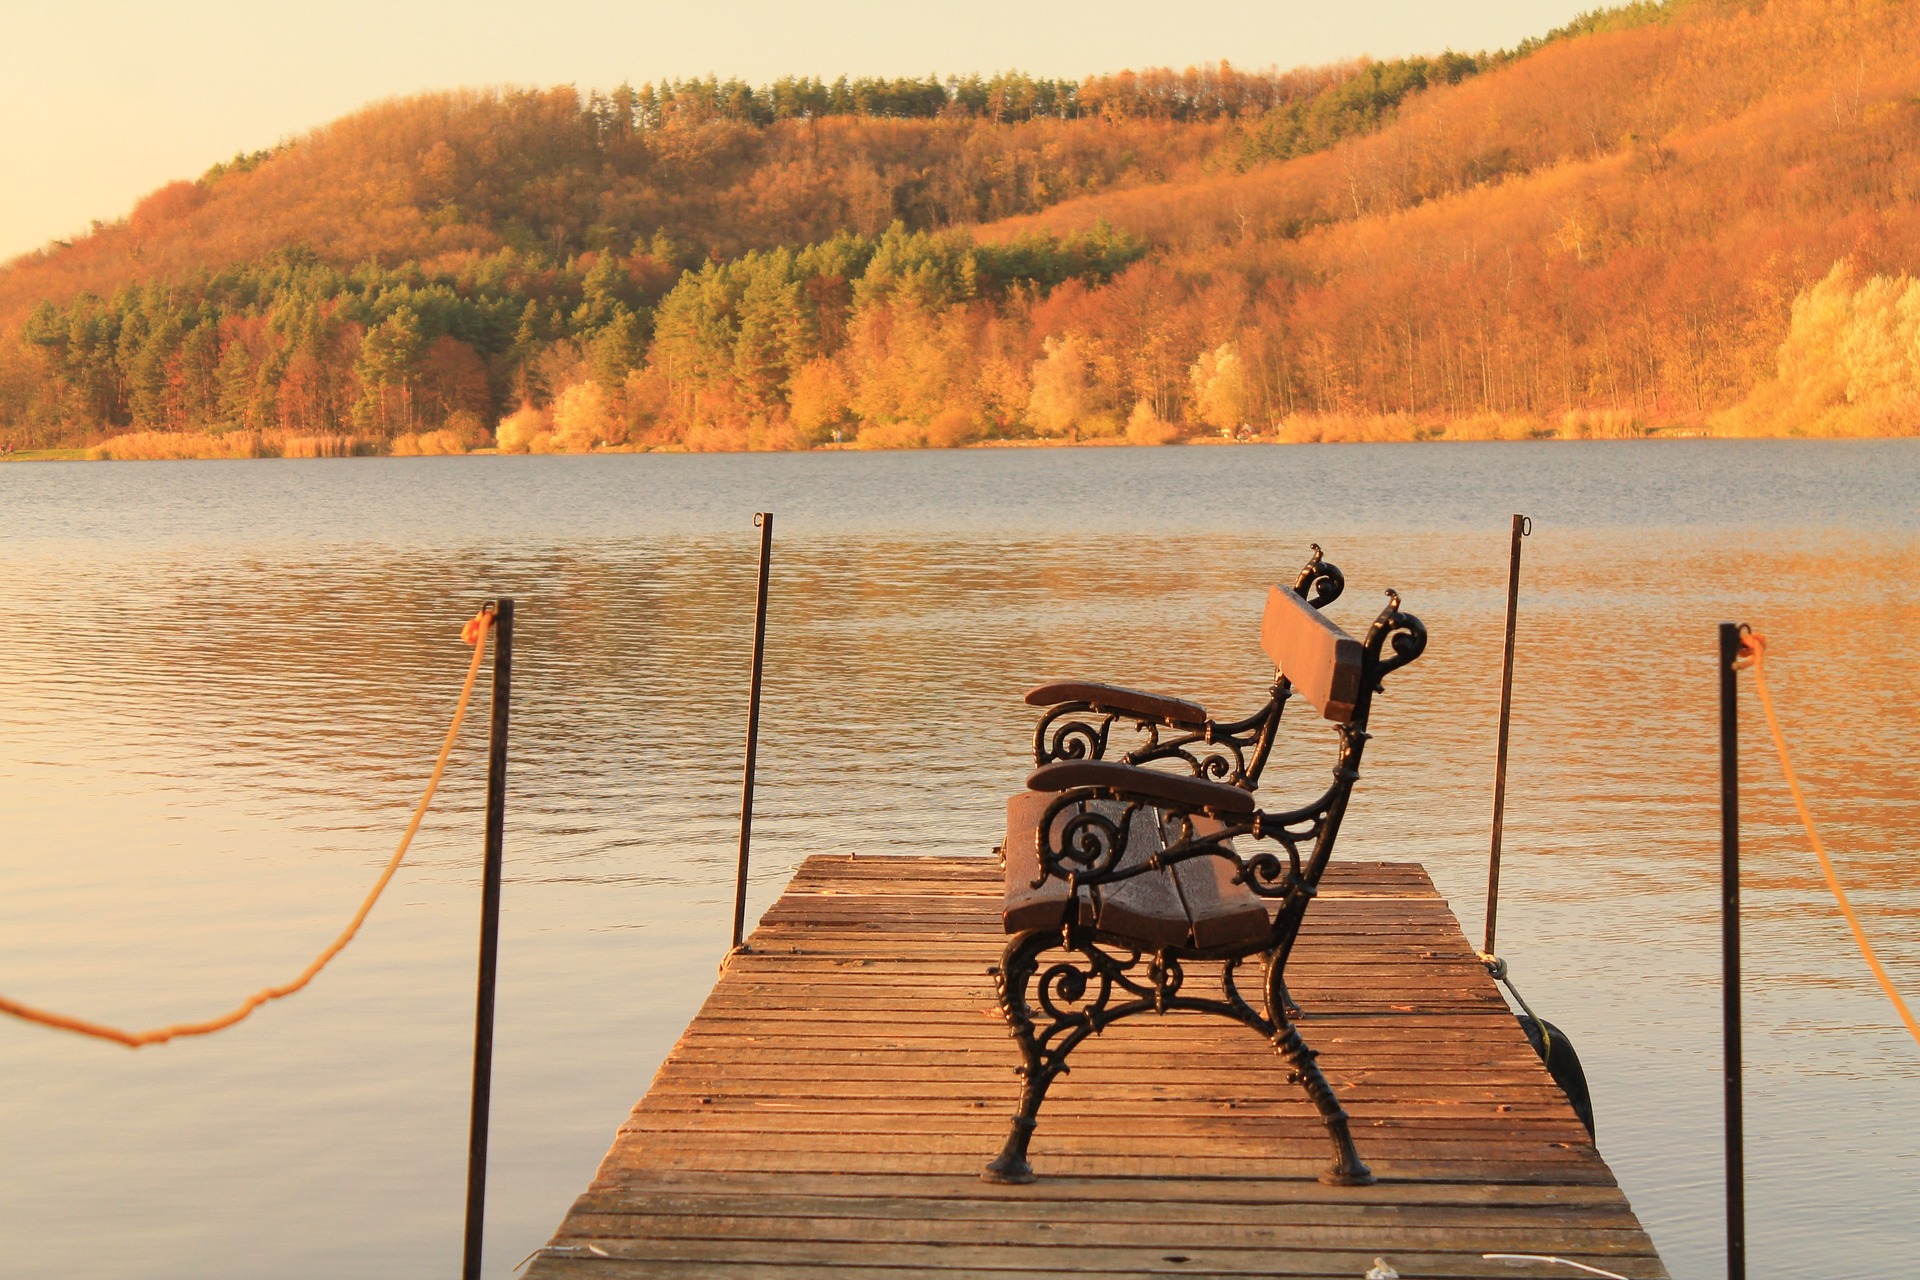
(1102, 976)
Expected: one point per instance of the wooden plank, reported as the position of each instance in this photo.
(829, 1110)
(1165, 1234)
(1031, 901)
(1147, 906)
(1242, 1192)
(1321, 660)
(1224, 914)
(1100, 1209)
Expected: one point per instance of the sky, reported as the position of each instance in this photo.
(105, 100)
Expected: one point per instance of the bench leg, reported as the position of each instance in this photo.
(1011, 1166)
(1043, 1053)
(1348, 1169)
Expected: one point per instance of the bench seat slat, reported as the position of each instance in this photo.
(1028, 907)
(1194, 904)
(1223, 913)
(1147, 907)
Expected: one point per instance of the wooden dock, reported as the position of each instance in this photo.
(829, 1111)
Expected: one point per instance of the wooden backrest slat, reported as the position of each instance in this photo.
(1321, 660)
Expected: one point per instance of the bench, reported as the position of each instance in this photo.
(1119, 871)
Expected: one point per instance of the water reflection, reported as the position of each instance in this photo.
(224, 682)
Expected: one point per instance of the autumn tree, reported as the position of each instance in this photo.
(1219, 382)
(1060, 398)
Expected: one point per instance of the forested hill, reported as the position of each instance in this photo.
(1696, 214)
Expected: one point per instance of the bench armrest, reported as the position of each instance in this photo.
(1085, 834)
(1080, 716)
(1128, 702)
(1129, 782)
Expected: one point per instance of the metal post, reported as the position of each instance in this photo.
(1522, 526)
(489, 937)
(1730, 949)
(764, 519)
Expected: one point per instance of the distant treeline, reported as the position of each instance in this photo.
(298, 346)
(1197, 93)
(1158, 93)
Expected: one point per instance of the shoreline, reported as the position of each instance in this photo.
(94, 453)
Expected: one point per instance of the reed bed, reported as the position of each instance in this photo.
(179, 446)
(535, 436)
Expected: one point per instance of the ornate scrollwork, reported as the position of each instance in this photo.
(1227, 764)
(1087, 987)
(1062, 991)
(1074, 994)
(1090, 843)
(1320, 581)
(1081, 841)
(1083, 731)
(1401, 632)
(1092, 982)
(1066, 732)
(1268, 876)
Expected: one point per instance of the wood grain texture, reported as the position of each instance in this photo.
(1174, 788)
(829, 1110)
(1193, 903)
(1321, 660)
(1110, 697)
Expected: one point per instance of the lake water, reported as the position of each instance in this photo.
(221, 685)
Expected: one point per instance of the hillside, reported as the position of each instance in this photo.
(1628, 224)
(1685, 215)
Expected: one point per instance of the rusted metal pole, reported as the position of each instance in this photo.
(489, 938)
(765, 520)
(1522, 526)
(1730, 950)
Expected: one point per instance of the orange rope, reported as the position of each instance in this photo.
(1754, 647)
(473, 633)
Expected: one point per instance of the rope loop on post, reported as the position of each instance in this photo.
(474, 632)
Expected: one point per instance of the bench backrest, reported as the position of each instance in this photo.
(1321, 661)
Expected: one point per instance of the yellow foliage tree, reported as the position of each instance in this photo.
(1849, 365)
(819, 399)
(1061, 397)
(912, 364)
(1219, 382)
(582, 418)
(1144, 426)
(523, 431)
